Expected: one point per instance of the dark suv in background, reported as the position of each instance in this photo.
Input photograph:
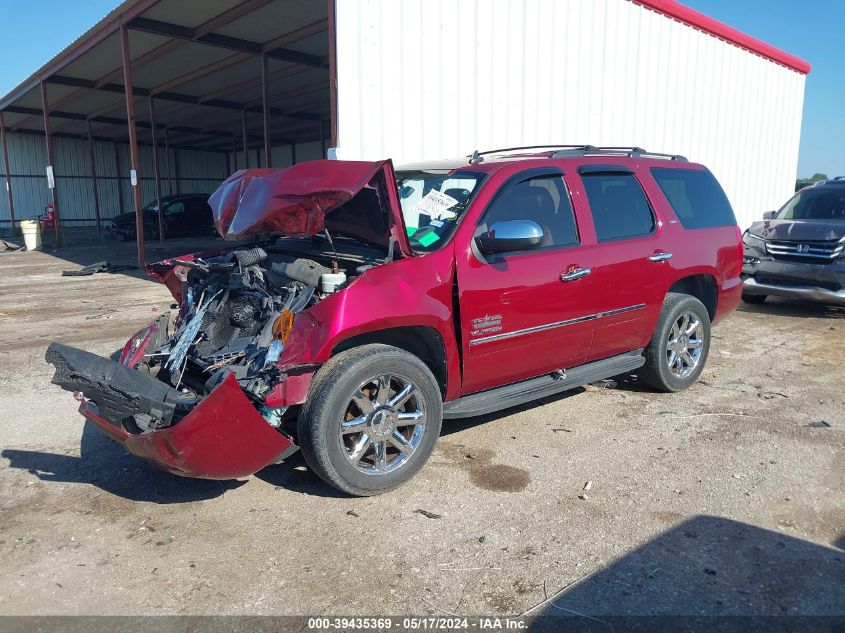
(185, 215)
(799, 250)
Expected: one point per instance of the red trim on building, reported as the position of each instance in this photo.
(697, 20)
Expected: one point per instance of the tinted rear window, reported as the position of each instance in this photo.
(697, 199)
(618, 205)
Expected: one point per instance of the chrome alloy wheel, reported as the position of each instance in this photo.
(383, 424)
(683, 349)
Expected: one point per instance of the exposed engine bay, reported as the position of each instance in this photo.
(236, 313)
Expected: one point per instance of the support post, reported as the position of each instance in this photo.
(293, 153)
(94, 191)
(265, 101)
(133, 143)
(120, 204)
(156, 170)
(8, 170)
(245, 139)
(176, 169)
(167, 160)
(333, 74)
(48, 138)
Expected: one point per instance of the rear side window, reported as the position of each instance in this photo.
(696, 197)
(618, 205)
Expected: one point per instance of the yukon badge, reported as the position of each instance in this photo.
(487, 324)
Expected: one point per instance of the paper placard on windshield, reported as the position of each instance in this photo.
(436, 205)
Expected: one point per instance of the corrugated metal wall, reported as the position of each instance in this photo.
(198, 172)
(283, 155)
(424, 79)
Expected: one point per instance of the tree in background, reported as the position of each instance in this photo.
(806, 182)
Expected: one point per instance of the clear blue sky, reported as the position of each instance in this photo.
(812, 29)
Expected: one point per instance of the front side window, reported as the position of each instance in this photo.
(618, 205)
(695, 196)
(433, 203)
(825, 203)
(542, 199)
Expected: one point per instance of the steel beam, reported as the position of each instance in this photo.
(333, 72)
(177, 31)
(265, 103)
(94, 176)
(156, 171)
(49, 145)
(120, 204)
(133, 145)
(168, 162)
(245, 139)
(8, 170)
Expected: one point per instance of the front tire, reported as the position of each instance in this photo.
(371, 420)
(678, 350)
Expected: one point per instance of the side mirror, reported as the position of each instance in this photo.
(509, 236)
(768, 215)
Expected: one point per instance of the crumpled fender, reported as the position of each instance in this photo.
(224, 437)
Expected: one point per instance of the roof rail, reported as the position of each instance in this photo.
(476, 155)
(633, 152)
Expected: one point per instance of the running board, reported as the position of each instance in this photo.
(521, 392)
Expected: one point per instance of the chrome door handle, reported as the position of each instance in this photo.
(660, 257)
(575, 273)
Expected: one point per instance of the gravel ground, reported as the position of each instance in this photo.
(725, 499)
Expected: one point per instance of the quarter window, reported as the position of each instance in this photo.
(542, 199)
(695, 196)
(618, 206)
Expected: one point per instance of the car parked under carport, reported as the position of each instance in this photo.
(185, 215)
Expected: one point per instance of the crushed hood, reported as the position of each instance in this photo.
(353, 198)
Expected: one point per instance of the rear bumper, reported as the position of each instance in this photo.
(122, 231)
(222, 437)
(823, 295)
(730, 293)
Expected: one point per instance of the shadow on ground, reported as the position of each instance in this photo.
(782, 306)
(105, 464)
(707, 573)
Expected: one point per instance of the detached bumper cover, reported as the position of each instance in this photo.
(222, 437)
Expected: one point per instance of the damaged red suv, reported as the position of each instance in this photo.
(372, 305)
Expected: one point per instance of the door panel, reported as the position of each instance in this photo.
(519, 318)
(631, 260)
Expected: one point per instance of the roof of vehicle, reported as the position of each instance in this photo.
(491, 160)
(838, 181)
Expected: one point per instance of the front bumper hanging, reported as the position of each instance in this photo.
(222, 436)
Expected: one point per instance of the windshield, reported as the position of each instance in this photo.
(824, 203)
(433, 202)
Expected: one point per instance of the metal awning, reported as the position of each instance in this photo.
(213, 75)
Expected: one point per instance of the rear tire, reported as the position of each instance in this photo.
(371, 420)
(754, 299)
(678, 350)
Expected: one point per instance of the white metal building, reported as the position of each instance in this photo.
(434, 78)
(404, 79)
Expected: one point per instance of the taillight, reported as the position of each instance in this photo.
(739, 251)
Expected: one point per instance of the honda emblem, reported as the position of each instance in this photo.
(803, 248)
